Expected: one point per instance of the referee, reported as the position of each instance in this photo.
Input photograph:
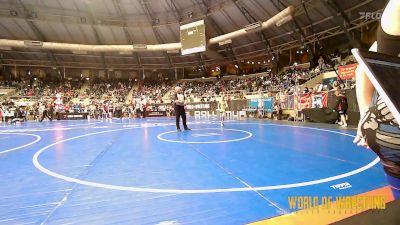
(179, 100)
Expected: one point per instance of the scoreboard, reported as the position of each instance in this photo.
(193, 37)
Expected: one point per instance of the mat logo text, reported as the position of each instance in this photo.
(337, 202)
(341, 186)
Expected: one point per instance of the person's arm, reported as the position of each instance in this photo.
(364, 91)
(364, 88)
(337, 103)
(390, 23)
(390, 20)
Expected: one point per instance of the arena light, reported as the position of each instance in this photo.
(253, 26)
(229, 41)
(284, 20)
(6, 48)
(79, 52)
(13, 13)
(139, 46)
(34, 15)
(33, 43)
(176, 51)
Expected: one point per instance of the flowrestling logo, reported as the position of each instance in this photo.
(370, 15)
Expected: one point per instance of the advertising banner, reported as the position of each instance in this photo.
(348, 71)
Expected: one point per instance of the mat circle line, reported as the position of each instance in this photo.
(22, 146)
(249, 135)
(35, 161)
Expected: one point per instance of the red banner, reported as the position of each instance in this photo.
(305, 101)
(314, 100)
(348, 71)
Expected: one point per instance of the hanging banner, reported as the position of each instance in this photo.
(348, 71)
(269, 104)
(314, 100)
(305, 101)
(319, 100)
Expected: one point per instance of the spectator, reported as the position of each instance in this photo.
(341, 107)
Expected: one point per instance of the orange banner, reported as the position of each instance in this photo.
(348, 71)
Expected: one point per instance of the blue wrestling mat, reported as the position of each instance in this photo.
(141, 171)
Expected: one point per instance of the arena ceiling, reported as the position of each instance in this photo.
(123, 22)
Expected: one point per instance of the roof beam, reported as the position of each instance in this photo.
(38, 34)
(152, 21)
(175, 9)
(179, 17)
(357, 23)
(96, 34)
(261, 33)
(297, 29)
(297, 25)
(128, 36)
(334, 9)
(303, 4)
(228, 47)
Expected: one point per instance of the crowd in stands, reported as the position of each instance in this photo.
(5, 84)
(98, 99)
(115, 91)
(108, 99)
(153, 91)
